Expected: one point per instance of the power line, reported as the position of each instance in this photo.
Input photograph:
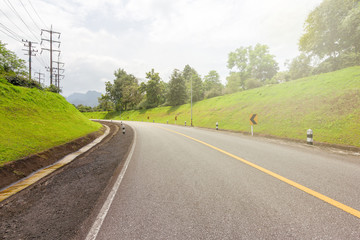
(9, 35)
(30, 15)
(14, 24)
(15, 36)
(41, 61)
(36, 13)
(18, 15)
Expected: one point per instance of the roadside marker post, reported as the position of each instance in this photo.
(253, 121)
(310, 137)
(185, 123)
(123, 128)
(217, 126)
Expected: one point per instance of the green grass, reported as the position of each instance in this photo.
(32, 121)
(328, 103)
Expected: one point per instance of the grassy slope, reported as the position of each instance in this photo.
(327, 103)
(32, 121)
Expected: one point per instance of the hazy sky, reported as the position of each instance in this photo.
(100, 36)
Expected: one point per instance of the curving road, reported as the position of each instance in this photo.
(189, 183)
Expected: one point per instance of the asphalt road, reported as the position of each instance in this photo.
(179, 188)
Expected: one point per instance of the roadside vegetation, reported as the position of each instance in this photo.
(328, 103)
(33, 120)
(330, 42)
(320, 89)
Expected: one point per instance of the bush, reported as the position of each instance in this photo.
(252, 83)
(22, 82)
(53, 88)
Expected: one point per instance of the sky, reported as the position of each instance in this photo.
(100, 36)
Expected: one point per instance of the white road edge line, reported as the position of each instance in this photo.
(105, 208)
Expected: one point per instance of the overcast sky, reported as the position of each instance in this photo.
(98, 37)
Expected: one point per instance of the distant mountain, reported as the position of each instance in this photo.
(87, 99)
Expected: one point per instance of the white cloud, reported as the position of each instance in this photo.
(100, 36)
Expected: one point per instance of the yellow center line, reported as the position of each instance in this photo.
(320, 196)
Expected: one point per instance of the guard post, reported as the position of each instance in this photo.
(310, 140)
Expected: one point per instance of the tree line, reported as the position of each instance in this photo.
(125, 92)
(331, 41)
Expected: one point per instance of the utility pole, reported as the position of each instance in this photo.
(40, 75)
(51, 50)
(58, 69)
(30, 51)
(191, 123)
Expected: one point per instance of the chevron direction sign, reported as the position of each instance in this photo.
(253, 119)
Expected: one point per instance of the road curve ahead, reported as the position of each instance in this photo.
(189, 183)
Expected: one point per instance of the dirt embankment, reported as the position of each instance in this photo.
(16, 170)
(63, 204)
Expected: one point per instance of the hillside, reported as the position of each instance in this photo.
(87, 99)
(328, 103)
(32, 121)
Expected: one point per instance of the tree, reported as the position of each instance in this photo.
(234, 82)
(239, 59)
(212, 84)
(105, 104)
(124, 91)
(14, 71)
(280, 77)
(256, 63)
(262, 64)
(154, 89)
(83, 108)
(300, 67)
(176, 89)
(193, 78)
(10, 64)
(350, 27)
(331, 30)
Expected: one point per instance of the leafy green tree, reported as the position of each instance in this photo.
(234, 82)
(262, 64)
(10, 64)
(256, 63)
(105, 104)
(332, 33)
(300, 67)
(238, 61)
(176, 89)
(14, 70)
(124, 91)
(154, 89)
(350, 29)
(280, 77)
(83, 108)
(193, 78)
(212, 84)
